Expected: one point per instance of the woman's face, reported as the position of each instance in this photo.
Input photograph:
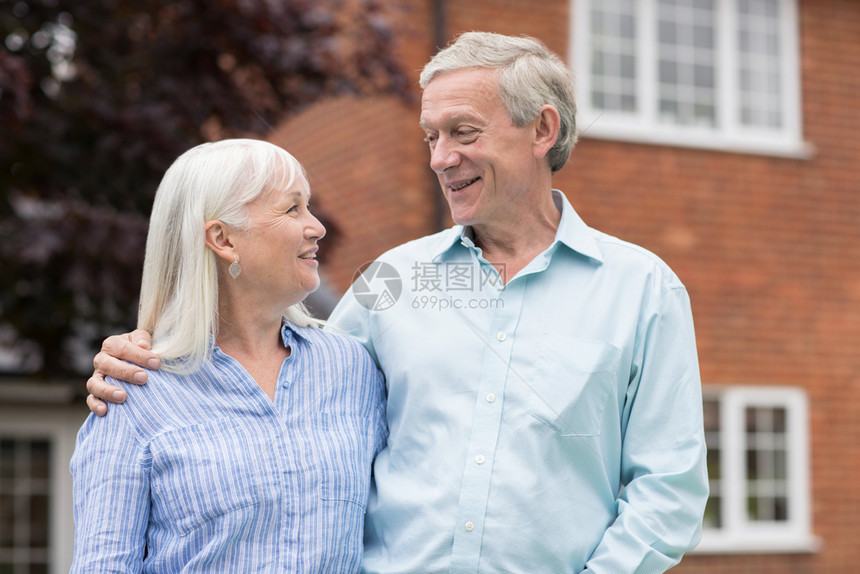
(278, 251)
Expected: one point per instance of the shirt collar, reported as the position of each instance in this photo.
(289, 330)
(572, 232)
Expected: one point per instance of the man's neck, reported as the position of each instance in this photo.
(510, 246)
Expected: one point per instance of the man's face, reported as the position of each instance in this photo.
(485, 164)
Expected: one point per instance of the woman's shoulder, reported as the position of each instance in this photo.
(172, 402)
(157, 381)
(164, 387)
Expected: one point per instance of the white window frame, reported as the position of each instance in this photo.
(738, 534)
(642, 126)
(59, 426)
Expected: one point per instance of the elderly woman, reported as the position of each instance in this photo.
(250, 450)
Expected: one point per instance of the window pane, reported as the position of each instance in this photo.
(687, 70)
(766, 464)
(613, 55)
(667, 32)
(627, 25)
(781, 509)
(713, 512)
(7, 513)
(40, 456)
(39, 521)
(752, 465)
(597, 65)
(25, 502)
(779, 420)
(628, 102)
(704, 77)
(752, 507)
(7, 457)
(759, 55)
(703, 37)
(627, 66)
(711, 411)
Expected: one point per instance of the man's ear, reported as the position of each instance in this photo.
(218, 239)
(547, 124)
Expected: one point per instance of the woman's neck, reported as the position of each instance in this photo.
(256, 343)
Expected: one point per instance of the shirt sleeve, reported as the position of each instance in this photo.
(352, 318)
(663, 458)
(379, 414)
(110, 472)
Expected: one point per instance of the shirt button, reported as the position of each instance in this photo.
(480, 459)
(491, 397)
(501, 336)
(470, 526)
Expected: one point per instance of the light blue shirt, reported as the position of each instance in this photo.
(551, 425)
(204, 473)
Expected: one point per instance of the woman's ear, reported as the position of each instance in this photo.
(547, 126)
(218, 239)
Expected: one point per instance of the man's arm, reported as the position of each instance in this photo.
(121, 357)
(663, 454)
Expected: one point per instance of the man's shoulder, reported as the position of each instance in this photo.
(428, 246)
(632, 259)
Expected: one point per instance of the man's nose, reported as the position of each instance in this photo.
(443, 155)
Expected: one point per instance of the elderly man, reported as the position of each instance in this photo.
(544, 399)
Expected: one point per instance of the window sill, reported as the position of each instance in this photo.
(787, 147)
(772, 544)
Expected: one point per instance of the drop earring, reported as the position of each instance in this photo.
(235, 269)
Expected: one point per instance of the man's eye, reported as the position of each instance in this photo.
(467, 136)
(430, 139)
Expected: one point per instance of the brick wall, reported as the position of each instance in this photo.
(768, 247)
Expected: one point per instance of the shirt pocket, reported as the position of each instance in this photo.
(204, 472)
(574, 381)
(345, 444)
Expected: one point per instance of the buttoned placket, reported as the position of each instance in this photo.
(486, 422)
(285, 403)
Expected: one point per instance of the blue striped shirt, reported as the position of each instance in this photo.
(204, 473)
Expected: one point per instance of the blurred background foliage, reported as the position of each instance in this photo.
(98, 97)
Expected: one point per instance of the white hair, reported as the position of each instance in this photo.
(179, 290)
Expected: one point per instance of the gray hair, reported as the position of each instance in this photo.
(179, 290)
(530, 75)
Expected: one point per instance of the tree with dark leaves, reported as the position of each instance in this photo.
(97, 98)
